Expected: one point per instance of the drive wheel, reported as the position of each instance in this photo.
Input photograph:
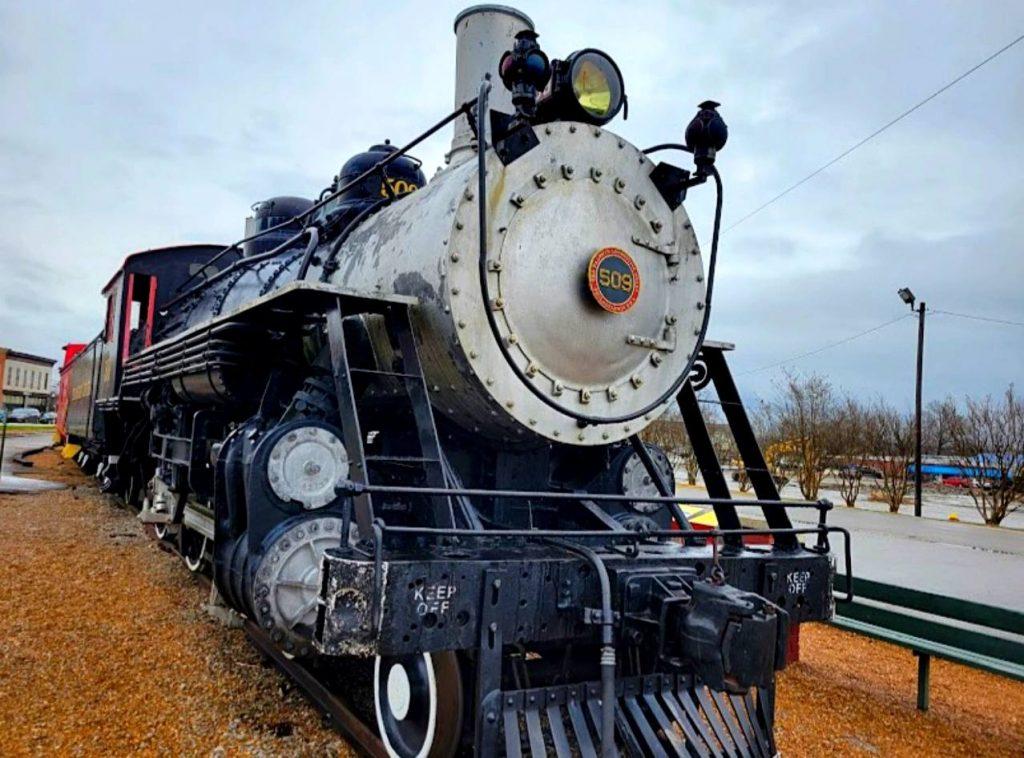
(418, 701)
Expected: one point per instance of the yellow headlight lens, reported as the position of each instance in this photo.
(596, 85)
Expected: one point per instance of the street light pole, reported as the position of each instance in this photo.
(917, 409)
(908, 297)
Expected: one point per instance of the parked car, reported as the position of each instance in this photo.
(956, 481)
(25, 415)
(852, 469)
(50, 417)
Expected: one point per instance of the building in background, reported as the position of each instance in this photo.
(26, 380)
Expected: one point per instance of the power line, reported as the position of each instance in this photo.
(823, 348)
(875, 133)
(980, 318)
(873, 329)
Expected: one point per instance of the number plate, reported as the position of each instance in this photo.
(613, 279)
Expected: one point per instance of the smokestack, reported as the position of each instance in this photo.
(483, 33)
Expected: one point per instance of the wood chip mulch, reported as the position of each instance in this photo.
(851, 695)
(106, 650)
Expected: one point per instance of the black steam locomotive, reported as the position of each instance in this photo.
(400, 427)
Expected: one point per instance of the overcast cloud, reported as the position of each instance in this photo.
(132, 125)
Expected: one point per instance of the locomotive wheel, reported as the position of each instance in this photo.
(192, 547)
(418, 701)
(166, 532)
(133, 489)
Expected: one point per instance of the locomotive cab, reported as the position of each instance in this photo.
(96, 411)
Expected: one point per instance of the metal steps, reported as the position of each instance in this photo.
(419, 443)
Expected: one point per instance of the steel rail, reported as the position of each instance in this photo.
(342, 719)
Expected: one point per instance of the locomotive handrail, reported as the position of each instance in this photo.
(344, 235)
(235, 266)
(581, 418)
(821, 529)
(358, 488)
(666, 146)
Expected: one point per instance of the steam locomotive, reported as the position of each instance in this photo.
(399, 426)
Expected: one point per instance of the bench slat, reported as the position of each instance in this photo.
(939, 605)
(974, 660)
(934, 630)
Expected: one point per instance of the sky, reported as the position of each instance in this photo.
(125, 126)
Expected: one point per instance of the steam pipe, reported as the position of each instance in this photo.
(607, 645)
(240, 263)
(307, 257)
(349, 228)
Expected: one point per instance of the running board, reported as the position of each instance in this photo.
(656, 715)
(198, 521)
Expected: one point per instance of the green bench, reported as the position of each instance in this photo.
(994, 642)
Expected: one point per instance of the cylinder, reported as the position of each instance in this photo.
(483, 33)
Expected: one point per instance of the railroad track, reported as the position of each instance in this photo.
(338, 715)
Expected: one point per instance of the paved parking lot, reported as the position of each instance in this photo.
(14, 446)
(957, 558)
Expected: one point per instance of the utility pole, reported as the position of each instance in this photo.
(3, 440)
(917, 409)
(908, 297)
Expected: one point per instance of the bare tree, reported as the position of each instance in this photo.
(724, 445)
(803, 417)
(669, 433)
(778, 452)
(690, 465)
(851, 438)
(937, 426)
(891, 436)
(780, 457)
(850, 478)
(988, 443)
(742, 477)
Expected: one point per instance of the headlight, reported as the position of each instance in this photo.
(586, 86)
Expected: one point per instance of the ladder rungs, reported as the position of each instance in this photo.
(400, 459)
(376, 372)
